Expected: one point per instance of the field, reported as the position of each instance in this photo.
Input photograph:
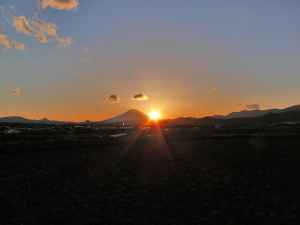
(150, 176)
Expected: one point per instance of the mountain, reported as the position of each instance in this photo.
(291, 108)
(135, 117)
(18, 119)
(132, 117)
(250, 113)
(243, 118)
(14, 119)
(288, 117)
(258, 113)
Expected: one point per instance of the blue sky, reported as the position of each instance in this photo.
(189, 57)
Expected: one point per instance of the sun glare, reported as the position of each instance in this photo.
(154, 115)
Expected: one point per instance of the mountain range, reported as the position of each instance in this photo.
(242, 118)
(134, 117)
(257, 113)
(18, 119)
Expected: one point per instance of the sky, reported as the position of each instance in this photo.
(91, 59)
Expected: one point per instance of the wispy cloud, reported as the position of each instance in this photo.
(5, 41)
(59, 4)
(49, 29)
(41, 30)
(113, 98)
(19, 46)
(8, 43)
(140, 97)
(64, 41)
(41, 37)
(253, 107)
(22, 25)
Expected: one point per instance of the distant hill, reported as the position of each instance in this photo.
(257, 113)
(270, 119)
(250, 113)
(135, 117)
(14, 119)
(18, 119)
(243, 118)
(291, 108)
(132, 117)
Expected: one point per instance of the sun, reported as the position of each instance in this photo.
(154, 115)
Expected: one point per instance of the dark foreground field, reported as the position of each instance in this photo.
(152, 178)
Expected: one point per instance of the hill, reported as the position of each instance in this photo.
(244, 118)
(18, 119)
(257, 113)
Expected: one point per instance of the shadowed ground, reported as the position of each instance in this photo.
(154, 179)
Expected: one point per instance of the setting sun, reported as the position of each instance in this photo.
(154, 115)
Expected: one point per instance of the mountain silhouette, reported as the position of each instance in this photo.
(258, 113)
(131, 117)
(290, 114)
(15, 119)
(135, 117)
(250, 113)
(19, 119)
